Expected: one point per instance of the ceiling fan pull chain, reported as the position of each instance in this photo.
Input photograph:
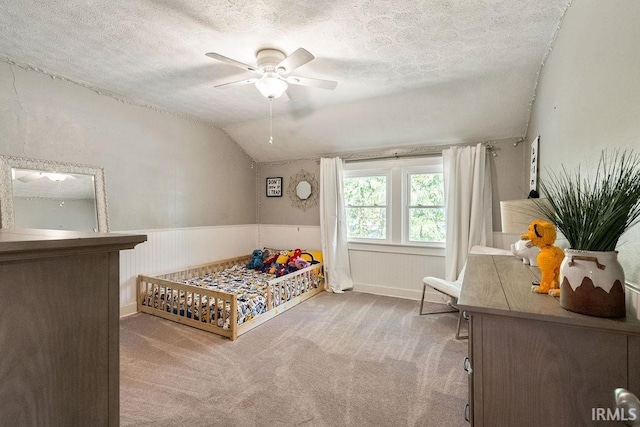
(270, 120)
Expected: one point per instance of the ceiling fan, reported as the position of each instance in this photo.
(273, 69)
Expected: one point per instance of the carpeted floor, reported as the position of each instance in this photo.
(349, 359)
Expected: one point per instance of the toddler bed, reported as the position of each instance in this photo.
(224, 297)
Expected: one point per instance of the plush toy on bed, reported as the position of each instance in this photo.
(301, 263)
(314, 257)
(291, 263)
(283, 257)
(270, 260)
(295, 254)
(543, 235)
(256, 260)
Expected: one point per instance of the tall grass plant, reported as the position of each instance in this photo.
(592, 212)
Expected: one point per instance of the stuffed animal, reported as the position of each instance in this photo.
(271, 259)
(295, 254)
(256, 260)
(301, 263)
(543, 235)
(283, 257)
(526, 251)
(314, 257)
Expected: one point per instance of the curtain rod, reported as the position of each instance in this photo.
(395, 156)
(433, 151)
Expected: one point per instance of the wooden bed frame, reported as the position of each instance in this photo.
(148, 292)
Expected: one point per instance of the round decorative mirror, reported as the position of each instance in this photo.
(303, 190)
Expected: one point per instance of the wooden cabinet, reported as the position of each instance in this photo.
(59, 311)
(532, 363)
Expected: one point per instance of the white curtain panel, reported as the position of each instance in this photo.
(467, 187)
(333, 227)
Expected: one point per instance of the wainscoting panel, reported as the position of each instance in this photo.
(289, 236)
(395, 274)
(173, 249)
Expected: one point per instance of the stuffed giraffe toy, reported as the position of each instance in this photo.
(543, 235)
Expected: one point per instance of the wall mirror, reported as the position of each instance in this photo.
(303, 190)
(52, 195)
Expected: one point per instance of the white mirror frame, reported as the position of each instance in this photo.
(7, 217)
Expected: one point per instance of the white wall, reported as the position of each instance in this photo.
(161, 171)
(588, 99)
(278, 236)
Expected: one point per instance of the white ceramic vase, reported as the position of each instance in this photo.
(592, 283)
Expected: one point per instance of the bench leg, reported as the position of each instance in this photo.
(458, 336)
(424, 288)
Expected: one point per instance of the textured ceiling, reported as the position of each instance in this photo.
(409, 72)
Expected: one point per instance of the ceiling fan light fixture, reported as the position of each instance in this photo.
(56, 177)
(271, 86)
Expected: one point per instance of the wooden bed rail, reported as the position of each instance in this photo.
(292, 289)
(175, 301)
(292, 284)
(204, 269)
(211, 310)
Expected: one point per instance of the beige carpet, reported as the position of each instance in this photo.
(349, 359)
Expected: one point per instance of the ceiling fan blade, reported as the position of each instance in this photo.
(308, 81)
(237, 83)
(232, 62)
(295, 60)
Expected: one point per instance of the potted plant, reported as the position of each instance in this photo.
(592, 212)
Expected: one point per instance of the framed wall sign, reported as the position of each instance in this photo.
(274, 186)
(533, 171)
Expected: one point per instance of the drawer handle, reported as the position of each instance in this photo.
(466, 413)
(466, 365)
(465, 315)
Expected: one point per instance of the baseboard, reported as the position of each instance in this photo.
(128, 310)
(430, 296)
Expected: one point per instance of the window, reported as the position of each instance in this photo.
(366, 206)
(425, 209)
(397, 202)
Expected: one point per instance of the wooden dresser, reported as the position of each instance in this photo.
(59, 310)
(532, 363)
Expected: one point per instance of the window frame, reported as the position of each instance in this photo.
(406, 203)
(364, 173)
(398, 197)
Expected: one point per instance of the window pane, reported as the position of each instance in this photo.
(426, 225)
(366, 191)
(427, 189)
(367, 223)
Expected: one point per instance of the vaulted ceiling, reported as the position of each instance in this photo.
(409, 72)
